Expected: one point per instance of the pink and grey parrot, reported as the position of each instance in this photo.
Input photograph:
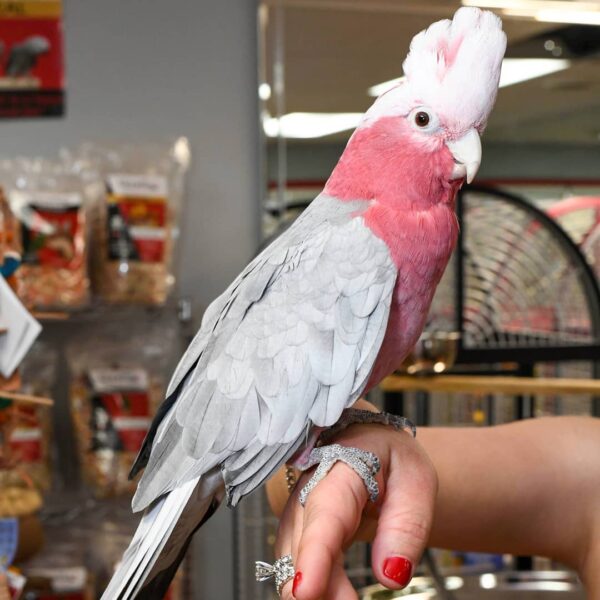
(327, 310)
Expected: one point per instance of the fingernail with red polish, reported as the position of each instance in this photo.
(297, 580)
(399, 569)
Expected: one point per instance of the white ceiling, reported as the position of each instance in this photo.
(336, 49)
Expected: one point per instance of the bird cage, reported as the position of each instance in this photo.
(577, 215)
(580, 218)
(518, 288)
(591, 249)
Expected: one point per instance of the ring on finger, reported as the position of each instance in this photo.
(282, 570)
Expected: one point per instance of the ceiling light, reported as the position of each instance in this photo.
(310, 125)
(552, 15)
(488, 581)
(548, 11)
(516, 70)
(454, 582)
(576, 6)
(264, 91)
(386, 86)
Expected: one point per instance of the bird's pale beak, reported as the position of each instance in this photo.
(467, 155)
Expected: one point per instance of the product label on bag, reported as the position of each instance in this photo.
(65, 580)
(121, 409)
(110, 380)
(137, 217)
(26, 439)
(50, 225)
(26, 444)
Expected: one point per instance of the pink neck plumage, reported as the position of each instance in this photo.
(413, 197)
(388, 163)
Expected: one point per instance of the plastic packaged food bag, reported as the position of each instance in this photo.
(118, 381)
(22, 458)
(51, 202)
(137, 223)
(33, 441)
(112, 410)
(29, 443)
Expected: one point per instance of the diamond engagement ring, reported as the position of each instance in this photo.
(282, 570)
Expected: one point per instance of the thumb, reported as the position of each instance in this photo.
(406, 516)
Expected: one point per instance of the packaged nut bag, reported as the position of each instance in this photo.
(23, 469)
(118, 367)
(29, 443)
(136, 225)
(51, 203)
(112, 409)
(32, 441)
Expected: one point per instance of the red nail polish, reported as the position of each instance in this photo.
(399, 569)
(297, 580)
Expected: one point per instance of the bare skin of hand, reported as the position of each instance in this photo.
(399, 523)
(531, 487)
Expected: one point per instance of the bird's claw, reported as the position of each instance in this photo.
(353, 416)
(364, 463)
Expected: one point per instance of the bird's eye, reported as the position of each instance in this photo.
(422, 119)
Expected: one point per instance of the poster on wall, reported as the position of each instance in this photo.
(31, 59)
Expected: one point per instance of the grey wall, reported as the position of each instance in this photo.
(143, 70)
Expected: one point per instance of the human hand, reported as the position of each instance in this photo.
(337, 512)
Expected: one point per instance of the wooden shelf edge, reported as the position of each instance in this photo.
(484, 384)
(26, 398)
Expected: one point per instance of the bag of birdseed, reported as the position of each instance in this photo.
(136, 224)
(51, 202)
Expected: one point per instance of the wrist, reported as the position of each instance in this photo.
(277, 492)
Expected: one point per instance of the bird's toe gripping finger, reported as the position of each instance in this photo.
(364, 463)
(353, 416)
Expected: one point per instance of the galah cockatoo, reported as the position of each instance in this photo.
(327, 310)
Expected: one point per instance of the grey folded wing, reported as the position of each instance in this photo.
(290, 344)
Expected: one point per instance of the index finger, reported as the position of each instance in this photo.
(332, 515)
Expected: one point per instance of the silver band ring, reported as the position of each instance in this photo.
(282, 570)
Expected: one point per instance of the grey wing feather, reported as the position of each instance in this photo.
(291, 343)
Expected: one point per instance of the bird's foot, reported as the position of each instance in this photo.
(352, 416)
(364, 463)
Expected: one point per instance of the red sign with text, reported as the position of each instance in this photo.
(31, 59)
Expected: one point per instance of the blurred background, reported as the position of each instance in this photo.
(149, 149)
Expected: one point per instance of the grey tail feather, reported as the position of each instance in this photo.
(157, 583)
(163, 536)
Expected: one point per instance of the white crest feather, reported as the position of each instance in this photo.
(453, 66)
